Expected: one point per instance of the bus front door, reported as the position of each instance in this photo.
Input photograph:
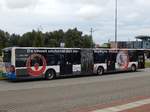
(66, 67)
(111, 60)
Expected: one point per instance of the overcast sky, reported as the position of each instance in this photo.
(20, 16)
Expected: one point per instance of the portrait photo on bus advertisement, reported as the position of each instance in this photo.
(122, 59)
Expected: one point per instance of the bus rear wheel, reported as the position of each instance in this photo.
(100, 71)
(50, 74)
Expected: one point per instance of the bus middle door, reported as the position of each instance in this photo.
(66, 67)
(87, 61)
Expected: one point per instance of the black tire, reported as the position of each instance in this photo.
(100, 71)
(133, 68)
(50, 74)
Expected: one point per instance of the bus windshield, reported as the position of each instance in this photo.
(7, 56)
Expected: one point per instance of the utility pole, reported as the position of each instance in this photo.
(92, 37)
(116, 23)
(92, 31)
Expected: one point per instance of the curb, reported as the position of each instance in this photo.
(2, 76)
(2, 79)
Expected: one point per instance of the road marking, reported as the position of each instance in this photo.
(125, 107)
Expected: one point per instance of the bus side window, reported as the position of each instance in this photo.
(36, 60)
(133, 56)
(100, 58)
(68, 58)
(76, 58)
(112, 57)
(52, 59)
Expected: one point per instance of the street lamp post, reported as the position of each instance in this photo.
(116, 22)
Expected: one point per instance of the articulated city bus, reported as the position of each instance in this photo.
(48, 63)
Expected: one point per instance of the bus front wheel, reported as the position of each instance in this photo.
(133, 68)
(50, 74)
(100, 71)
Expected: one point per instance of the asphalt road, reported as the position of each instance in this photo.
(64, 95)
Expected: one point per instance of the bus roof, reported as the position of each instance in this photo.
(7, 48)
(10, 48)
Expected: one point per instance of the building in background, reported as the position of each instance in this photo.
(142, 42)
(127, 44)
(105, 45)
(145, 41)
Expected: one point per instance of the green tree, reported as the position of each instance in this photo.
(53, 39)
(38, 39)
(4, 38)
(73, 38)
(87, 41)
(26, 40)
(48, 40)
(14, 40)
(32, 39)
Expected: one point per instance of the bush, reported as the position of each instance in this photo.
(147, 64)
(2, 75)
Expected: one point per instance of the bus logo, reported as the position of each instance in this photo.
(36, 65)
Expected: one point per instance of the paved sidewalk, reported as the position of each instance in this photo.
(127, 107)
(138, 104)
(144, 108)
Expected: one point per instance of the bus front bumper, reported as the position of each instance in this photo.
(11, 76)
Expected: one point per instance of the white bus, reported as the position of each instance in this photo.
(48, 63)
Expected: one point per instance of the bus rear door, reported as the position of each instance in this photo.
(141, 59)
(111, 60)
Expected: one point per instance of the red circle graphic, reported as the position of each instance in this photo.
(36, 72)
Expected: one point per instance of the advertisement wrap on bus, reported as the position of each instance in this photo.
(49, 63)
(36, 71)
